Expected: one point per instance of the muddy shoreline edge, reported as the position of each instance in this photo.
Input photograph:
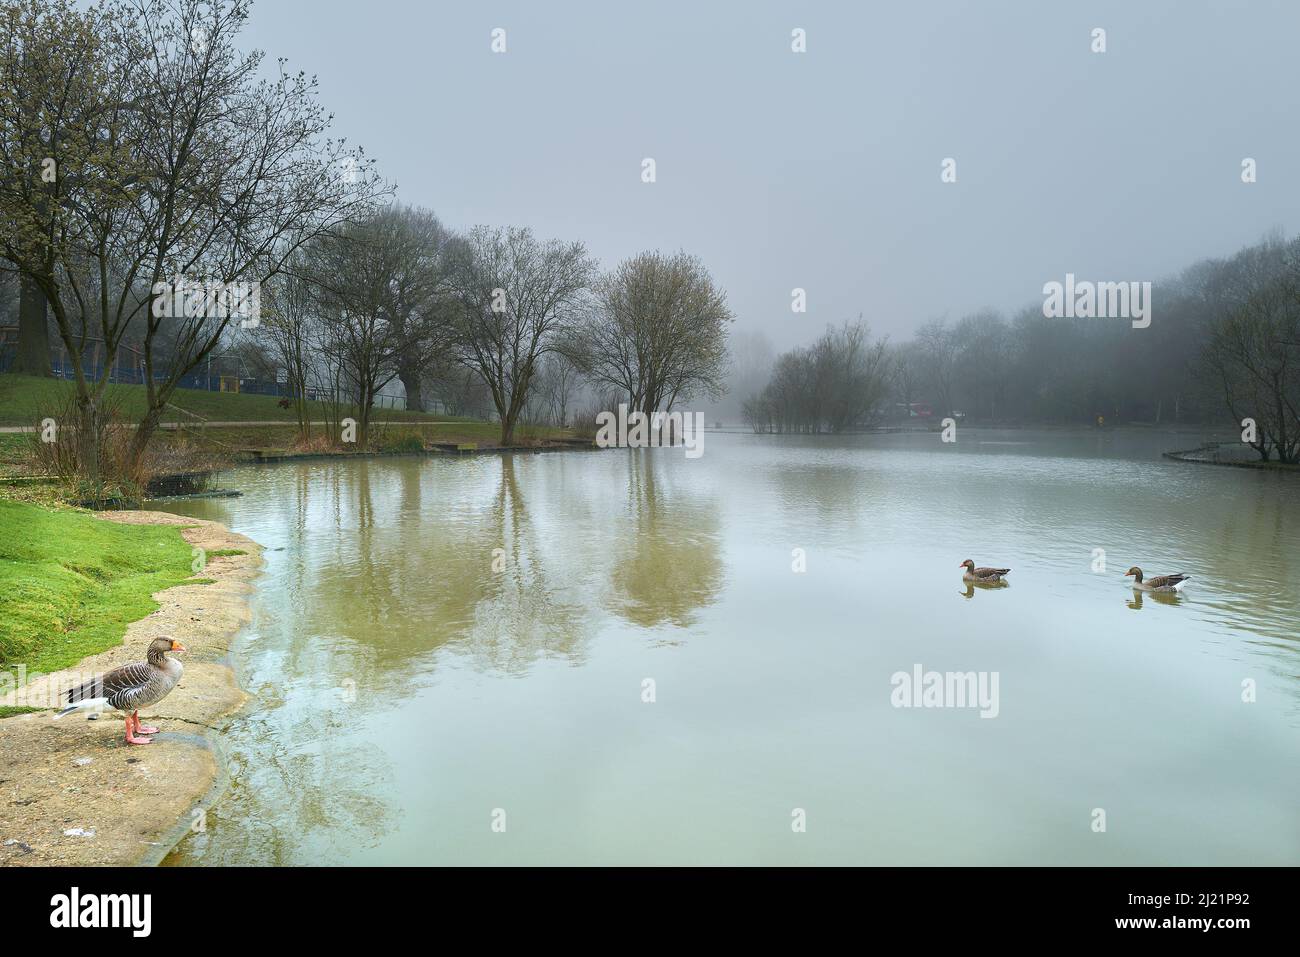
(71, 791)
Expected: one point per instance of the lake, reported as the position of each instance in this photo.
(629, 656)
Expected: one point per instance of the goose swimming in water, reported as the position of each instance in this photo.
(1162, 583)
(130, 688)
(982, 576)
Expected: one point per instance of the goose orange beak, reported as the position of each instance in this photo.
(177, 646)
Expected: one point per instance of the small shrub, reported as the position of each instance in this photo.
(61, 453)
(314, 443)
(168, 465)
(531, 434)
(403, 441)
(584, 421)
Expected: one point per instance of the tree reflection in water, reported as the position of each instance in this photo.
(672, 566)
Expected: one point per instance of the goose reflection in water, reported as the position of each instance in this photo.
(969, 591)
(1162, 597)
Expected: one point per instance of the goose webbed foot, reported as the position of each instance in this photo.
(134, 728)
(132, 739)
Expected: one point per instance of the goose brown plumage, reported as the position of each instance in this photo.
(987, 576)
(1164, 583)
(130, 688)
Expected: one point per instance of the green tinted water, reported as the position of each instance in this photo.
(444, 647)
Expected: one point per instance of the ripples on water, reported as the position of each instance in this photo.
(442, 637)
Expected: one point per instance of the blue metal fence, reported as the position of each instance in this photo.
(128, 375)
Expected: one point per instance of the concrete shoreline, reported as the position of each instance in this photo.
(72, 792)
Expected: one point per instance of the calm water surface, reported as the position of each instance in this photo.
(405, 689)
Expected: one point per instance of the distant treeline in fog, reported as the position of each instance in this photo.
(1223, 346)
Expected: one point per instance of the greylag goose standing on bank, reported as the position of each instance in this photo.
(1160, 583)
(982, 576)
(130, 688)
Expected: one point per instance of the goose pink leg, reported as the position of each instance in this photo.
(130, 732)
(142, 728)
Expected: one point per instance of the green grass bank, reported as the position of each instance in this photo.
(70, 583)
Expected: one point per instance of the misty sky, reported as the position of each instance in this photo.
(821, 169)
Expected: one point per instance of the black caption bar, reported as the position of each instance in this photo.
(131, 909)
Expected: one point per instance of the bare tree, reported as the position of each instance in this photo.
(172, 158)
(420, 304)
(905, 362)
(375, 294)
(657, 332)
(939, 358)
(517, 296)
(41, 45)
(839, 383)
(33, 356)
(556, 381)
(756, 412)
(982, 364)
(287, 326)
(1255, 351)
(858, 372)
(58, 90)
(459, 389)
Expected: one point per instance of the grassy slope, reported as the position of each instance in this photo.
(22, 397)
(70, 584)
(12, 454)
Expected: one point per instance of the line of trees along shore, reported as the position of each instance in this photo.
(494, 321)
(1223, 347)
(141, 144)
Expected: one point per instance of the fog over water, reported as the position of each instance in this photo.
(821, 170)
